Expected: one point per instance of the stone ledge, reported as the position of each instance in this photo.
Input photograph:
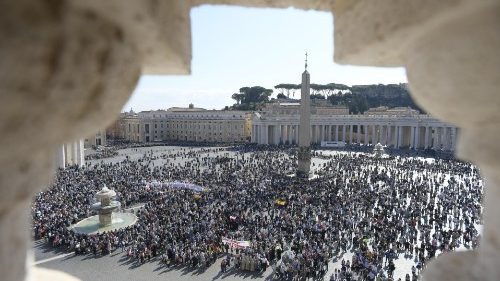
(43, 274)
(453, 266)
(377, 33)
(320, 5)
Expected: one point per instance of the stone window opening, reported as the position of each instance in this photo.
(449, 48)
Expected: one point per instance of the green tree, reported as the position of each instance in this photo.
(237, 97)
(317, 97)
(281, 96)
(287, 89)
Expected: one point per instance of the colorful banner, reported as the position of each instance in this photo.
(174, 185)
(235, 243)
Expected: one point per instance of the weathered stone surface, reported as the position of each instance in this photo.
(159, 30)
(322, 5)
(43, 274)
(68, 66)
(378, 33)
(64, 72)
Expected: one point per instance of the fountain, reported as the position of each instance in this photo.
(378, 151)
(106, 219)
(106, 206)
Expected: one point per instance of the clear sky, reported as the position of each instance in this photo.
(235, 47)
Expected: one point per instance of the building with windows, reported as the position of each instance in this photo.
(96, 139)
(185, 124)
(278, 123)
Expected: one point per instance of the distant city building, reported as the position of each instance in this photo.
(96, 139)
(278, 123)
(185, 124)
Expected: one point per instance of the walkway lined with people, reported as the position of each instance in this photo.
(356, 220)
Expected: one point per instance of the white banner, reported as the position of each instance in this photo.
(235, 243)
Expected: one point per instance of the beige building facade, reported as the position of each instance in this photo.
(96, 139)
(186, 124)
(397, 127)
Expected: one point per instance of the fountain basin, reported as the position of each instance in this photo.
(112, 206)
(91, 225)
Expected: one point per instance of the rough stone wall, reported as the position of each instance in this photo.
(64, 71)
(68, 66)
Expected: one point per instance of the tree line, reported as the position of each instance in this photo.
(358, 98)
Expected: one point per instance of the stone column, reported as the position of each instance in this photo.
(70, 151)
(266, 134)
(60, 157)
(447, 138)
(426, 137)
(254, 134)
(350, 133)
(453, 138)
(295, 133)
(262, 134)
(400, 136)
(359, 133)
(385, 134)
(276, 134)
(256, 138)
(380, 135)
(374, 134)
(435, 138)
(259, 134)
(412, 137)
(81, 153)
(75, 152)
(366, 131)
(417, 137)
(288, 134)
(343, 133)
(284, 133)
(389, 135)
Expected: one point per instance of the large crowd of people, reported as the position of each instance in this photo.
(361, 212)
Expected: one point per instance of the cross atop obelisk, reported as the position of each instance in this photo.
(306, 60)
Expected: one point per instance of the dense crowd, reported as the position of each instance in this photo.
(362, 212)
(102, 152)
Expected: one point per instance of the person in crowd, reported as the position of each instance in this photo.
(375, 210)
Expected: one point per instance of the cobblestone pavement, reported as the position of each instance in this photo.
(116, 267)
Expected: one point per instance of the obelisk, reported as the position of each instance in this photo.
(304, 152)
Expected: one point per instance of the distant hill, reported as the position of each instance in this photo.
(360, 98)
